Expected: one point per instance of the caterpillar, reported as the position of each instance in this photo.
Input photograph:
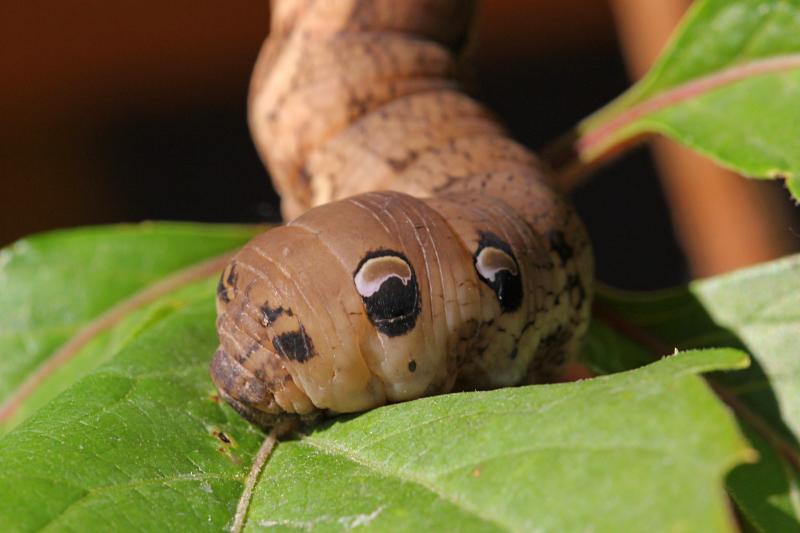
(426, 251)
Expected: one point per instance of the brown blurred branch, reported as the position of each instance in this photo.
(723, 222)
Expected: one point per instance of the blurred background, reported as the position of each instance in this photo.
(124, 111)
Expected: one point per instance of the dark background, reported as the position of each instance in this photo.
(124, 111)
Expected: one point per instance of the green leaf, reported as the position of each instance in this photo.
(621, 453)
(53, 284)
(727, 86)
(766, 493)
(135, 445)
(141, 441)
(757, 310)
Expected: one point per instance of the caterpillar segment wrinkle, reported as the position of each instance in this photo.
(426, 252)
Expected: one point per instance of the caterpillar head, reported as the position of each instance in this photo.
(370, 300)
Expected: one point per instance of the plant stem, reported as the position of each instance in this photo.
(606, 134)
(259, 462)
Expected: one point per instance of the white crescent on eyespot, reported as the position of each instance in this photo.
(376, 271)
(492, 260)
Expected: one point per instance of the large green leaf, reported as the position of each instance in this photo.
(728, 86)
(142, 442)
(757, 310)
(53, 284)
(136, 445)
(622, 453)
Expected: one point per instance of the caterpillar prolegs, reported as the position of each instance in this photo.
(467, 271)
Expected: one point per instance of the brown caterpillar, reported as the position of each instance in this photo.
(469, 271)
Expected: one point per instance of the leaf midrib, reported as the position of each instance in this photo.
(105, 321)
(593, 138)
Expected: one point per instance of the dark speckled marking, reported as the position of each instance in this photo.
(559, 244)
(233, 380)
(242, 357)
(227, 283)
(271, 314)
(294, 345)
(576, 291)
(221, 290)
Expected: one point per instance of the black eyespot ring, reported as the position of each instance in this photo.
(387, 284)
(498, 268)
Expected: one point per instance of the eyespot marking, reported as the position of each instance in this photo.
(498, 268)
(387, 284)
(412, 366)
(294, 345)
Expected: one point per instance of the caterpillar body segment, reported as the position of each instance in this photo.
(465, 270)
